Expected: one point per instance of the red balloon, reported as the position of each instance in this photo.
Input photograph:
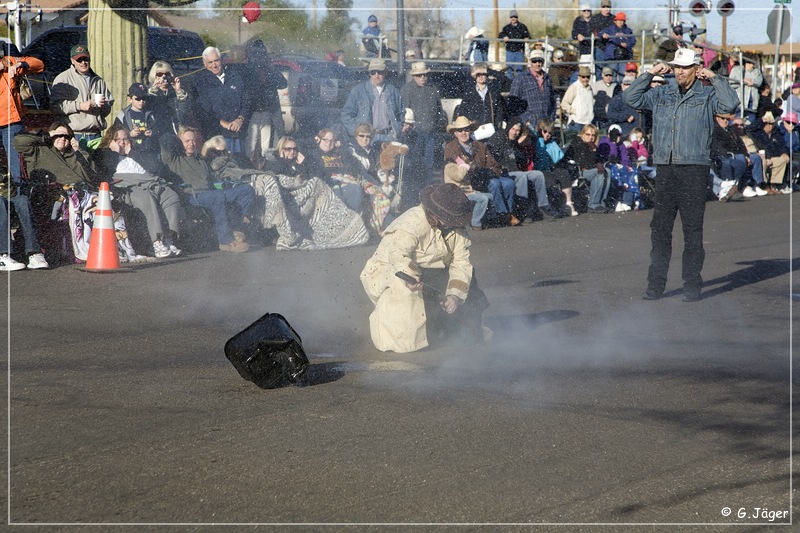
(251, 11)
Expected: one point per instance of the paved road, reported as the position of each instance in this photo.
(591, 406)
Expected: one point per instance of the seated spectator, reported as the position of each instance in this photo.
(336, 169)
(578, 102)
(10, 196)
(765, 102)
(769, 139)
(181, 155)
(516, 158)
(791, 138)
(483, 172)
(736, 126)
(377, 184)
(135, 173)
(312, 209)
(729, 158)
(61, 177)
(549, 159)
(621, 113)
(583, 150)
(457, 175)
(167, 100)
(668, 47)
(604, 90)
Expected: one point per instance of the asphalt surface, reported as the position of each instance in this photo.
(590, 405)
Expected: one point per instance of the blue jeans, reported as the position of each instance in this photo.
(502, 191)
(22, 206)
(514, 57)
(734, 169)
(535, 178)
(481, 200)
(12, 156)
(758, 168)
(598, 186)
(217, 202)
(426, 144)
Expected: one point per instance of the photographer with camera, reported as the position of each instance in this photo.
(167, 100)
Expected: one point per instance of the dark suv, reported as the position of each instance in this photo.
(165, 44)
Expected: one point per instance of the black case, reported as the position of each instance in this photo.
(269, 352)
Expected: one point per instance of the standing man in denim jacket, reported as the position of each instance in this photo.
(683, 122)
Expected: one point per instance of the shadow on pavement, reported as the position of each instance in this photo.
(320, 374)
(507, 326)
(757, 271)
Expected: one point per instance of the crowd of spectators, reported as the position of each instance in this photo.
(525, 142)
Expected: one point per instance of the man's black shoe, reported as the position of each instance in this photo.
(691, 295)
(651, 294)
(551, 212)
(598, 209)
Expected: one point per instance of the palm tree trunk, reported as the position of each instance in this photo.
(117, 36)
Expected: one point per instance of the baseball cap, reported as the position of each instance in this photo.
(138, 90)
(79, 50)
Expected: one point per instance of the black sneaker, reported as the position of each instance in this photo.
(551, 212)
(652, 294)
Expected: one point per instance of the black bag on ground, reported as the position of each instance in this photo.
(269, 352)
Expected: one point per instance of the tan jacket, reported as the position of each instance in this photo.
(398, 322)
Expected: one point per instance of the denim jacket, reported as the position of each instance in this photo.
(682, 124)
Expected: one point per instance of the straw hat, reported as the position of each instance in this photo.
(461, 122)
(419, 67)
(448, 203)
(377, 64)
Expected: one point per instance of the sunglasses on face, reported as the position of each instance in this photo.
(462, 130)
(481, 74)
(138, 99)
(537, 60)
(584, 77)
(290, 149)
(375, 72)
(82, 60)
(365, 135)
(604, 75)
(65, 136)
(420, 75)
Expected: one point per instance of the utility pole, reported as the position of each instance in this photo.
(496, 33)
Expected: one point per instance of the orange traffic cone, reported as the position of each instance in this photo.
(103, 255)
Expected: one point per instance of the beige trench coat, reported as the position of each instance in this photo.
(398, 322)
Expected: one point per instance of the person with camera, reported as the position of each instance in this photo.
(13, 70)
(167, 100)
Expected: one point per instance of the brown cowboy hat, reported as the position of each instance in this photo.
(461, 122)
(448, 203)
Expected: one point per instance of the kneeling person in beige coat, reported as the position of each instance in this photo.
(429, 243)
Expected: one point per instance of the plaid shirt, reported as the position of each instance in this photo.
(541, 102)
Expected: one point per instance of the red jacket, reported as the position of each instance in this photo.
(9, 87)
